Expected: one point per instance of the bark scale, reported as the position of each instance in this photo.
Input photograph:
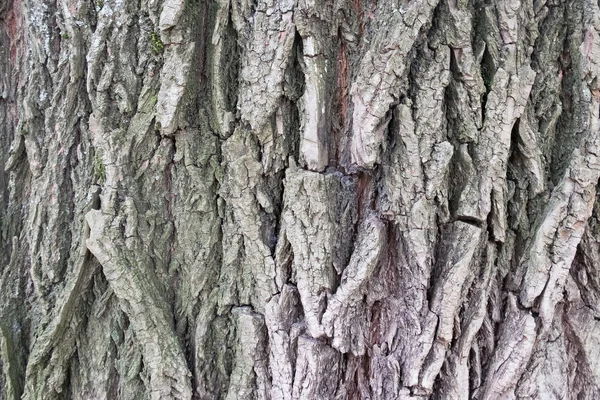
(292, 199)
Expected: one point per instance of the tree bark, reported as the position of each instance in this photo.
(296, 199)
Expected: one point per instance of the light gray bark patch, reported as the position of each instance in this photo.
(171, 14)
(177, 48)
(467, 86)
(124, 264)
(553, 246)
(380, 75)
(52, 341)
(224, 64)
(385, 383)
(11, 332)
(283, 319)
(316, 24)
(319, 211)
(529, 147)
(109, 361)
(248, 272)
(194, 194)
(436, 170)
(196, 254)
(582, 339)
(555, 240)
(51, 130)
(269, 35)
(317, 370)
(250, 375)
(459, 242)
(345, 319)
(515, 343)
(456, 378)
(583, 270)
(403, 198)
(540, 379)
(174, 78)
(505, 104)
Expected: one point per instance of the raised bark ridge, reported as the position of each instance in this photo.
(299, 199)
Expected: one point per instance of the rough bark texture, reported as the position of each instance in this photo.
(299, 199)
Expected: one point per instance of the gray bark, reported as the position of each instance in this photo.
(295, 199)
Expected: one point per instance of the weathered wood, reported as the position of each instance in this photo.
(299, 199)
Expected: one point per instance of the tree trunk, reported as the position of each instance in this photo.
(295, 199)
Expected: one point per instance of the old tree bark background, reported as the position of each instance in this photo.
(299, 199)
